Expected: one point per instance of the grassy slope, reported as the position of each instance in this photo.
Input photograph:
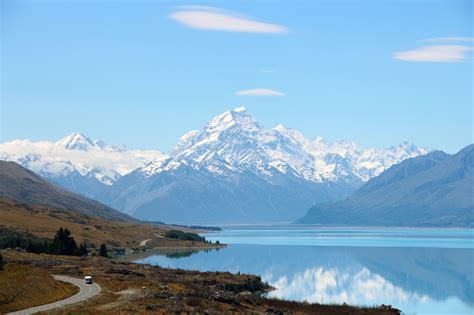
(19, 183)
(25, 286)
(44, 221)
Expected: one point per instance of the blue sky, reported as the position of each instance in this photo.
(142, 73)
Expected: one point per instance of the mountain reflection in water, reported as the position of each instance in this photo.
(416, 280)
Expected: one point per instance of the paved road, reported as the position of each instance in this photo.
(86, 292)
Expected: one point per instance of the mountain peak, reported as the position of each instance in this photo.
(237, 117)
(408, 145)
(223, 131)
(76, 141)
(410, 149)
(75, 135)
(279, 127)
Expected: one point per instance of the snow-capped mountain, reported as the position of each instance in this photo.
(435, 189)
(77, 141)
(77, 162)
(234, 141)
(236, 171)
(231, 171)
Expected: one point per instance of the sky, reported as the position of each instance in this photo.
(143, 73)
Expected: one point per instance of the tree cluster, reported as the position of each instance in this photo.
(62, 244)
(186, 236)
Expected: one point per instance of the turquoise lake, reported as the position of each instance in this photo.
(420, 271)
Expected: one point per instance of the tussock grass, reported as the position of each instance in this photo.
(24, 286)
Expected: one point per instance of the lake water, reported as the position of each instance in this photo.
(420, 271)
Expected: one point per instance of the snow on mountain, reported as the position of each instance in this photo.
(76, 141)
(435, 189)
(230, 142)
(234, 141)
(77, 154)
(233, 170)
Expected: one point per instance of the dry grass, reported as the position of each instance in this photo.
(43, 222)
(24, 286)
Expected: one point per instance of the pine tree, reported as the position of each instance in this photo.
(29, 246)
(103, 250)
(63, 243)
(82, 250)
(46, 248)
(16, 242)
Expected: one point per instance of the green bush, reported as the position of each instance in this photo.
(185, 236)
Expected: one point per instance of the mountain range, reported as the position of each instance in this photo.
(76, 162)
(231, 171)
(436, 189)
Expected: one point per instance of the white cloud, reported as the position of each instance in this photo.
(450, 40)
(437, 53)
(206, 18)
(259, 92)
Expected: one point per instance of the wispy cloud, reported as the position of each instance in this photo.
(435, 53)
(450, 40)
(259, 92)
(207, 18)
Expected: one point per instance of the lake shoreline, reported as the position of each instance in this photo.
(143, 288)
(352, 265)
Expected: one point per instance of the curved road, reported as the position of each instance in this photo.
(86, 292)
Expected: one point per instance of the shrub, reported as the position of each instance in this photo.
(185, 236)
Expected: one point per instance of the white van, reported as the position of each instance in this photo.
(88, 279)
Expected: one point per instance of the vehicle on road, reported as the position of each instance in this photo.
(88, 279)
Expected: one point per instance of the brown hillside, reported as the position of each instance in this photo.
(18, 183)
(27, 286)
(43, 222)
